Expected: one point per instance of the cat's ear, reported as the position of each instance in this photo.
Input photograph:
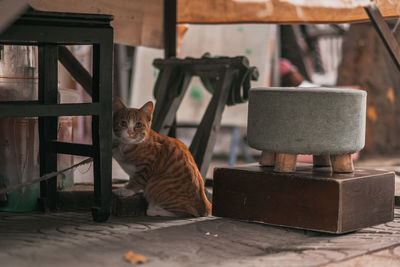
(117, 105)
(148, 109)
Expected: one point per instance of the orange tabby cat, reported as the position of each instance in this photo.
(160, 166)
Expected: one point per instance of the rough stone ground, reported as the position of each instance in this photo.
(73, 239)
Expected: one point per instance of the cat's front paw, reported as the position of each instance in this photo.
(156, 210)
(124, 192)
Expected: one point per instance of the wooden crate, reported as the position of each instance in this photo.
(313, 199)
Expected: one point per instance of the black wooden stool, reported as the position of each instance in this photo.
(48, 30)
(227, 78)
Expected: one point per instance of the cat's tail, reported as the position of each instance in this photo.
(206, 207)
(201, 208)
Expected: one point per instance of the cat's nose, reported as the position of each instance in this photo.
(130, 132)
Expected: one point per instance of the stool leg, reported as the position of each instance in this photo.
(102, 129)
(321, 161)
(342, 163)
(285, 162)
(267, 159)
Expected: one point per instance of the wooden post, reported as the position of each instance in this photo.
(285, 162)
(321, 161)
(102, 126)
(48, 92)
(170, 8)
(267, 159)
(342, 163)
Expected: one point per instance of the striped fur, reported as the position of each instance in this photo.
(159, 165)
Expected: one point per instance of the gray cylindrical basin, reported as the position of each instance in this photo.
(314, 121)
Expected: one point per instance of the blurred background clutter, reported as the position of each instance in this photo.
(286, 55)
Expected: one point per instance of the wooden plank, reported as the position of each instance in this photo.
(64, 19)
(274, 11)
(34, 34)
(75, 68)
(311, 198)
(202, 64)
(385, 33)
(72, 149)
(24, 109)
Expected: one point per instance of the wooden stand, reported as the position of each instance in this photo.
(48, 31)
(311, 198)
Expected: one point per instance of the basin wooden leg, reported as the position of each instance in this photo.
(285, 162)
(342, 163)
(267, 159)
(322, 161)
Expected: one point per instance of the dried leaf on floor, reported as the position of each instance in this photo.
(135, 258)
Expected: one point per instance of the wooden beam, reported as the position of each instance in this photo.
(72, 149)
(385, 33)
(203, 142)
(27, 109)
(48, 94)
(75, 68)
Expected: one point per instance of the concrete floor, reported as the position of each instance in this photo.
(73, 239)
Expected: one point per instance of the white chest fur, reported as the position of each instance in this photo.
(128, 166)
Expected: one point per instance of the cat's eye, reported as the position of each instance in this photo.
(124, 123)
(139, 125)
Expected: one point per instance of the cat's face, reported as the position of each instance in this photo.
(131, 125)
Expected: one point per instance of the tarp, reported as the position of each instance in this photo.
(139, 22)
(280, 11)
